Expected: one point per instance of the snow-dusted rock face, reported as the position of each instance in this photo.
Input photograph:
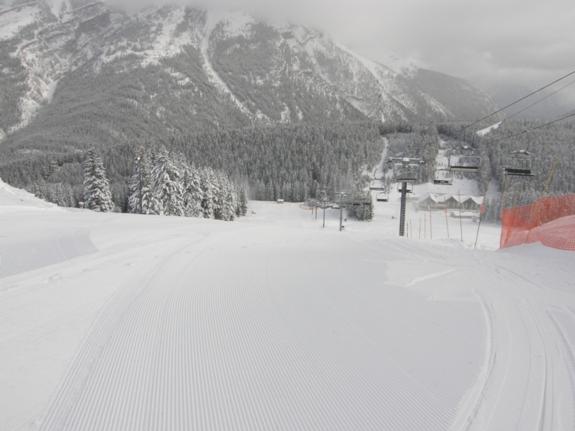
(41, 42)
(77, 70)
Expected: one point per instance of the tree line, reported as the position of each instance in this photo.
(551, 159)
(290, 162)
(164, 183)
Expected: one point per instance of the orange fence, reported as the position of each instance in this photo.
(550, 221)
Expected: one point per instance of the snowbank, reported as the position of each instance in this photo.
(18, 199)
(31, 236)
(25, 251)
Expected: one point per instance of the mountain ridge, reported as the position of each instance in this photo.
(70, 64)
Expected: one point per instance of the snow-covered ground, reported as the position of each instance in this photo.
(273, 323)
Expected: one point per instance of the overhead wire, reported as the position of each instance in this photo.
(537, 102)
(524, 132)
(521, 99)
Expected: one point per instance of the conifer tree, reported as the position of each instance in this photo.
(97, 195)
(192, 193)
(219, 195)
(207, 188)
(242, 203)
(167, 185)
(141, 199)
(228, 199)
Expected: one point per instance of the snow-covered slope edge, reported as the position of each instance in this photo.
(11, 197)
(25, 248)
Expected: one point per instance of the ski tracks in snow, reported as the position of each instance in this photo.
(473, 399)
(528, 378)
(220, 335)
(81, 383)
(207, 344)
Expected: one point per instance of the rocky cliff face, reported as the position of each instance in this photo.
(78, 72)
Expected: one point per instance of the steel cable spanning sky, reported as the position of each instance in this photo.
(521, 99)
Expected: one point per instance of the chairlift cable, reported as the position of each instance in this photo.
(565, 117)
(537, 102)
(520, 99)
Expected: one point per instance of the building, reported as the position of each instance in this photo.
(445, 201)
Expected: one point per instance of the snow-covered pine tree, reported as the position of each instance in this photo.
(242, 206)
(59, 193)
(142, 199)
(237, 206)
(207, 188)
(192, 193)
(167, 184)
(229, 199)
(219, 194)
(63, 195)
(97, 195)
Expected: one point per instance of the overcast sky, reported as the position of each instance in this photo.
(489, 42)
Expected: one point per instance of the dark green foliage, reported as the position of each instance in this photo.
(167, 183)
(357, 200)
(362, 209)
(553, 157)
(242, 204)
(423, 143)
(142, 199)
(193, 193)
(58, 193)
(97, 194)
(288, 162)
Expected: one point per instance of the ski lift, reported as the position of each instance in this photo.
(409, 188)
(382, 197)
(464, 163)
(519, 164)
(443, 177)
(406, 172)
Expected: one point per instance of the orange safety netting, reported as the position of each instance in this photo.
(550, 221)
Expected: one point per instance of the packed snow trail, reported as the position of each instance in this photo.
(529, 381)
(274, 323)
(238, 348)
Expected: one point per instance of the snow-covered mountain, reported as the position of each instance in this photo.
(79, 71)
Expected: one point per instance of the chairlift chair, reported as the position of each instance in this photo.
(382, 197)
(443, 177)
(409, 188)
(464, 163)
(406, 172)
(519, 164)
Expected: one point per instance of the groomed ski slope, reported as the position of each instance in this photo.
(272, 323)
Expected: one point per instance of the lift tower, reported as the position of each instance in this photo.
(405, 171)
